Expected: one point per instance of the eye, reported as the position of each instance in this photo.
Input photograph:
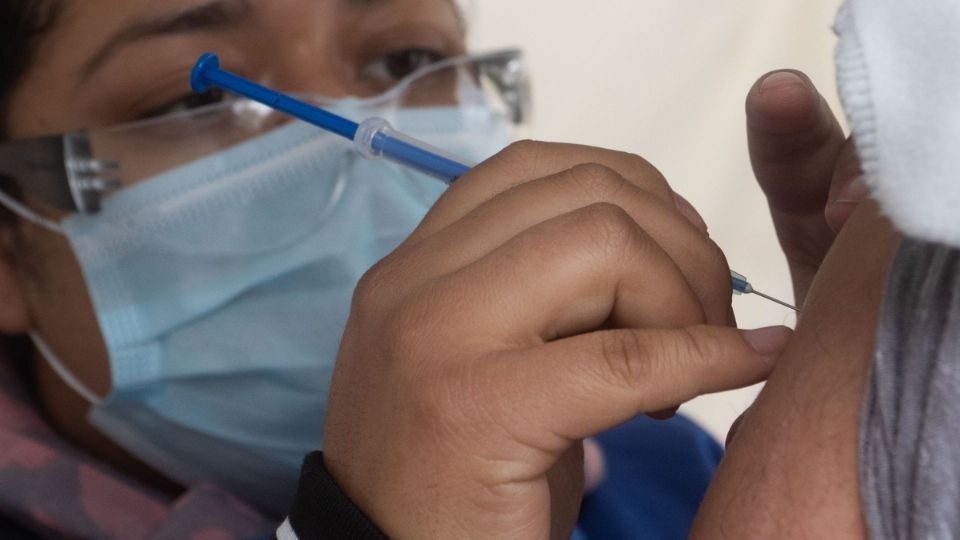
(390, 68)
(185, 103)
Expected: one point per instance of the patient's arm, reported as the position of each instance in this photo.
(791, 471)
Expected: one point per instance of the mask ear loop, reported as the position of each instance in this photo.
(19, 209)
(65, 374)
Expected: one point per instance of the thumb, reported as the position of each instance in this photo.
(576, 387)
(794, 142)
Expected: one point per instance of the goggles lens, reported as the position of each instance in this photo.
(101, 161)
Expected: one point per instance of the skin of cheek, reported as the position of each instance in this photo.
(61, 308)
(792, 469)
(64, 317)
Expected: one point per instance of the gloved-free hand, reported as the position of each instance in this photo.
(554, 292)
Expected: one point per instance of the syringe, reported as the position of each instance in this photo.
(374, 138)
(742, 286)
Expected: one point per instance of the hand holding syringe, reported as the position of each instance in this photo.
(374, 138)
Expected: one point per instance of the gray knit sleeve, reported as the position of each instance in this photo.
(910, 433)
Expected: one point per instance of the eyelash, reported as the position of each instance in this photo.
(404, 62)
(380, 74)
(185, 102)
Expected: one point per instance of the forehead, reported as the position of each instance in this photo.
(89, 23)
(84, 21)
(84, 25)
(103, 13)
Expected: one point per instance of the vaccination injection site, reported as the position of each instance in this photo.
(444, 269)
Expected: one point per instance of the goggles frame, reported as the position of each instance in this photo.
(63, 171)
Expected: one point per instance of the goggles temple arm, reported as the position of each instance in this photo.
(36, 167)
(59, 170)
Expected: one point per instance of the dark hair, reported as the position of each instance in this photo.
(22, 24)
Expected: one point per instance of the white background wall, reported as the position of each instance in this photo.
(667, 79)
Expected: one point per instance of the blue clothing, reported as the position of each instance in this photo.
(656, 475)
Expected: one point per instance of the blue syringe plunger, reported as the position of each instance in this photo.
(198, 79)
(375, 138)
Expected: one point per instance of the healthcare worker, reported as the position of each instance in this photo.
(184, 267)
(855, 433)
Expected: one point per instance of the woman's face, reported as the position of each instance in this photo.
(114, 61)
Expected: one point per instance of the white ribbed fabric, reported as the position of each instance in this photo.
(898, 73)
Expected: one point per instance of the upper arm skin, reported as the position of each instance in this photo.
(791, 471)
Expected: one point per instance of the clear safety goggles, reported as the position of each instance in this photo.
(74, 171)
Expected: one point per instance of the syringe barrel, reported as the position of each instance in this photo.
(376, 139)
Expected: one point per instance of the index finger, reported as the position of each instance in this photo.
(525, 161)
(580, 386)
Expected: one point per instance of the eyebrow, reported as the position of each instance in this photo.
(212, 15)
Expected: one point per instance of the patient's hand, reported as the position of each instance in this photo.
(805, 165)
(792, 469)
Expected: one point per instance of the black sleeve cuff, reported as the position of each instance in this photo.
(323, 510)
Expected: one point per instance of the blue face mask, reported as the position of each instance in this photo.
(222, 289)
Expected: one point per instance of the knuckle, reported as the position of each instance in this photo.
(407, 329)
(366, 296)
(671, 366)
(597, 182)
(384, 291)
(714, 265)
(522, 152)
(627, 357)
(696, 349)
(647, 176)
(608, 227)
(716, 274)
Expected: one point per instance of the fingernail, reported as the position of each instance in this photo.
(665, 414)
(781, 79)
(844, 202)
(690, 213)
(768, 340)
(594, 465)
(856, 191)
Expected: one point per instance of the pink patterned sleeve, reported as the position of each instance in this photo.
(50, 487)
